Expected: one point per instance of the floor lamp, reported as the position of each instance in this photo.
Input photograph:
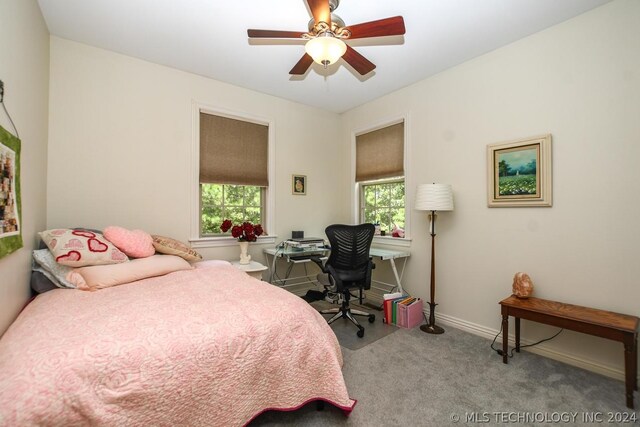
(433, 197)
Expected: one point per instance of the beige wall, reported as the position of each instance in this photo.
(120, 137)
(24, 68)
(120, 147)
(579, 81)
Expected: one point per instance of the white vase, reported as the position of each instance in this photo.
(244, 257)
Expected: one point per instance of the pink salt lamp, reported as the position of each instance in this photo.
(522, 285)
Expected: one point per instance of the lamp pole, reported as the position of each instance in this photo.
(431, 327)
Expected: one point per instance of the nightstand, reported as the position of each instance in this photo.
(253, 269)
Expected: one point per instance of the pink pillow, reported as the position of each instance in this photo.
(134, 243)
(104, 276)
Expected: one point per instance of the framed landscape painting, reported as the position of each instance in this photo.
(519, 173)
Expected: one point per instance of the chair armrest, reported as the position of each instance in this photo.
(367, 281)
(316, 259)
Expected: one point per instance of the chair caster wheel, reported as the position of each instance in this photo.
(372, 318)
(360, 333)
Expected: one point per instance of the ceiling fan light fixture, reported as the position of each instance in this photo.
(325, 49)
(325, 39)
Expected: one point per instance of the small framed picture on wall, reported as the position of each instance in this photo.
(299, 184)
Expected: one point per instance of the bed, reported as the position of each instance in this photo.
(204, 346)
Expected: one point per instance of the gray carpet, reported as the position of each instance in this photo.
(411, 378)
(346, 331)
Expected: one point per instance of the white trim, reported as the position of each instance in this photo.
(408, 187)
(217, 242)
(391, 241)
(542, 349)
(408, 179)
(194, 182)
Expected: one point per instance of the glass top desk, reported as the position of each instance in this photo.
(300, 256)
(293, 256)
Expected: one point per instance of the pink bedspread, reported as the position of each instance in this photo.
(209, 346)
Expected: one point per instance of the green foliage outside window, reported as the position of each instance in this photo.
(238, 203)
(383, 203)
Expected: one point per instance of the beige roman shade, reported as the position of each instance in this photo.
(380, 154)
(233, 151)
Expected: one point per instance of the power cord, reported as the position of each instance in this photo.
(279, 248)
(5, 108)
(510, 355)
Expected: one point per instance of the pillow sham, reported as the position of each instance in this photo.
(104, 276)
(78, 248)
(169, 246)
(134, 243)
(47, 265)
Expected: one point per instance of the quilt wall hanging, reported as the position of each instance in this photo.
(10, 208)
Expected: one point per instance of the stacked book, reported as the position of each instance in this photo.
(402, 310)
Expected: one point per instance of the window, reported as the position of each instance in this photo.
(383, 203)
(380, 177)
(225, 201)
(233, 173)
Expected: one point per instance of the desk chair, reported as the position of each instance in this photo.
(349, 267)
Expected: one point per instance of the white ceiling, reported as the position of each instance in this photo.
(209, 38)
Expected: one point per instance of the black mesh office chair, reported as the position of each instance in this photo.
(349, 267)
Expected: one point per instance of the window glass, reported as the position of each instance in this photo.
(383, 203)
(239, 203)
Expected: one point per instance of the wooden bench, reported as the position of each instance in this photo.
(605, 324)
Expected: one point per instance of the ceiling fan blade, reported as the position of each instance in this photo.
(383, 27)
(320, 10)
(274, 34)
(302, 66)
(361, 64)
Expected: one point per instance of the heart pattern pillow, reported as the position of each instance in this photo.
(78, 248)
(134, 243)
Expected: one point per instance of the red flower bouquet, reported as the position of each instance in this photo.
(246, 232)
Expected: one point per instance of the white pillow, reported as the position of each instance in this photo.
(48, 266)
(103, 276)
(211, 263)
(77, 248)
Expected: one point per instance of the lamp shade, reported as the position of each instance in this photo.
(434, 197)
(325, 49)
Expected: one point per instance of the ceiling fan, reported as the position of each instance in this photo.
(326, 35)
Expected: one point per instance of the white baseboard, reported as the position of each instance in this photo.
(541, 349)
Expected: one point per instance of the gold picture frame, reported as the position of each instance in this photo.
(519, 173)
(299, 185)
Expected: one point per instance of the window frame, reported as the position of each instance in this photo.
(268, 199)
(357, 187)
